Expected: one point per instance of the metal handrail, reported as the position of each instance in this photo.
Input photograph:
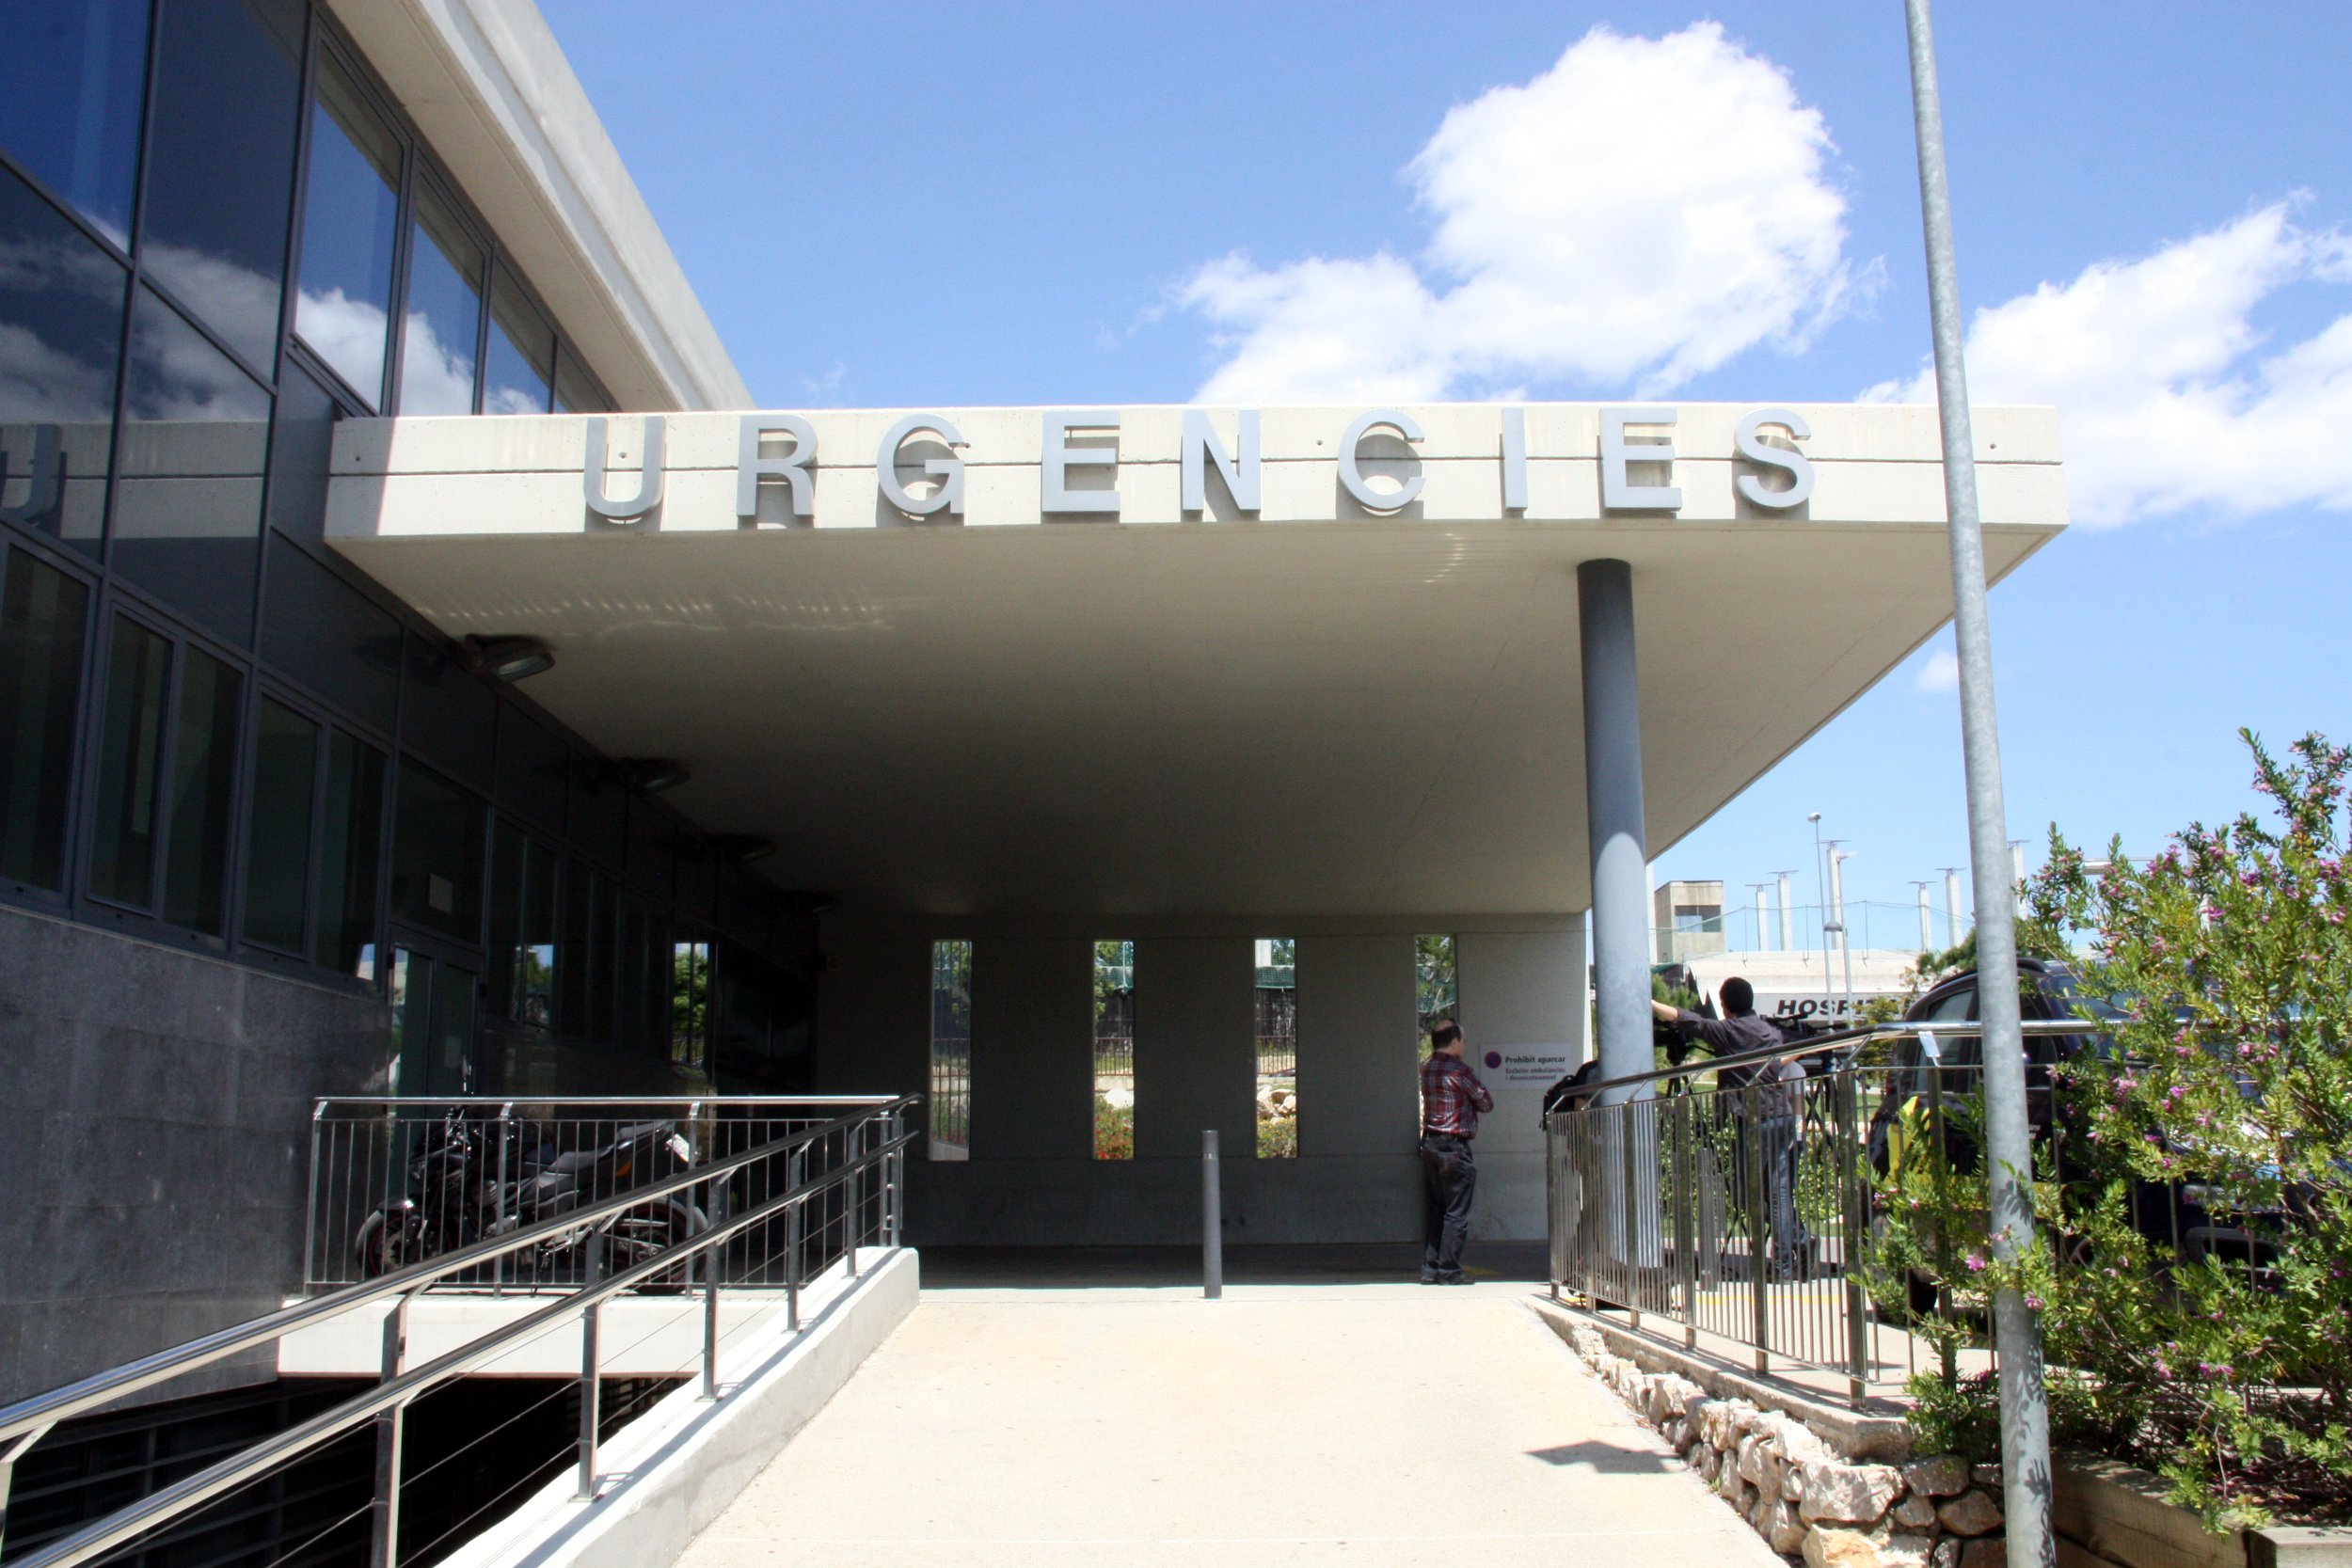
(43, 1410)
(326, 1101)
(397, 1391)
(1857, 1037)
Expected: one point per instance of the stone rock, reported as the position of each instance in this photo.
(1760, 1514)
(1970, 1513)
(1848, 1494)
(1706, 1461)
(1985, 1551)
(1942, 1475)
(1839, 1548)
(1670, 1430)
(1792, 1482)
(1906, 1551)
(1751, 1460)
(1947, 1555)
(1782, 1529)
(1738, 1492)
(1696, 1456)
(1694, 1404)
(1986, 1476)
(1589, 1345)
(1916, 1511)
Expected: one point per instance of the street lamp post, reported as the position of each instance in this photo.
(1821, 890)
(2008, 1140)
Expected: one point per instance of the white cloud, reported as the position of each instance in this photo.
(1939, 675)
(1641, 212)
(2170, 399)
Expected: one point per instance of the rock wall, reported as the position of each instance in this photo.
(1804, 1498)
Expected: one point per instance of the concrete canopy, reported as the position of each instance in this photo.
(1319, 711)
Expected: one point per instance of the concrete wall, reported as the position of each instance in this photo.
(1032, 1181)
(154, 1107)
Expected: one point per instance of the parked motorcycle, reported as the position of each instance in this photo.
(456, 1196)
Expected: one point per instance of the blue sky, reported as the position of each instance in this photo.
(934, 205)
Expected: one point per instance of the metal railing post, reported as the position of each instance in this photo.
(1211, 1221)
(893, 1187)
(309, 1212)
(1752, 1162)
(792, 1242)
(588, 1403)
(711, 1297)
(1686, 1219)
(1852, 1159)
(854, 1201)
(384, 1535)
(497, 1195)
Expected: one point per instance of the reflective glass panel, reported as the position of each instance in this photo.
(1114, 1050)
(69, 83)
(575, 389)
(203, 778)
(437, 854)
(61, 304)
(41, 612)
(437, 345)
(522, 353)
(354, 836)
(1277, 959)
(951, 1050)
(329, 636)
(220, 168)
(689, 1010)
(534, 968)
(277, 827)
(122, 846)
(349, 223)
(187, 517)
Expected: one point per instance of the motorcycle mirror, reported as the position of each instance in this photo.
(679, 1147)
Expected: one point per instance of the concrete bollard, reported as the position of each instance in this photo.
(1211, 1221)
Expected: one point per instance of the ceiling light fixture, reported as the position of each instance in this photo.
(653, 775)
(509, 658)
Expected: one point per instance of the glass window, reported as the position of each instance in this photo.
(444, 319)
(690, 1017)
(203, 780)
(522, 353)
(534, 763)
(951, 1050)
(354, 836)
(70, 89)
(448, 714)
(1433, 977)
(602, 967)
(188, 507)
(61, 304)
(534, 980)
(122, 849)
(1114, 1050)
(1277, 1048)
(599, 819)
(571, 971)
(220, 164)
(437, 854)
(41, 615)
(277, 828)
(330, 636)
(575, 388)
(349, 223)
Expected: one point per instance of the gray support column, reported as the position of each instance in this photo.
(1613, 816)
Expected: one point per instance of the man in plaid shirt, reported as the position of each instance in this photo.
(1450, 1098)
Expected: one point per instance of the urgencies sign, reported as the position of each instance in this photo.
(781, 450)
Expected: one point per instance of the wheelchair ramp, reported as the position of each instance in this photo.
(1351, 1423)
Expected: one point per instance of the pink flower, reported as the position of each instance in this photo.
(1975, 1262)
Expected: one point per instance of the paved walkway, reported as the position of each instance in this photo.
(1353, 1423)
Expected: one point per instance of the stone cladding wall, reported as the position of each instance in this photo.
(1804, 1498)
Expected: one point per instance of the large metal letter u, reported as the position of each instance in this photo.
(649, 478)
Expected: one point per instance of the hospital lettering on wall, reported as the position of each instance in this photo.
(919, 463)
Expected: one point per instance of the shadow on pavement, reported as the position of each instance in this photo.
(1333, 1264)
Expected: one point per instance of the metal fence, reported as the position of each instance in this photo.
(398, 1179)
(849, 1165)
(1735, 1199)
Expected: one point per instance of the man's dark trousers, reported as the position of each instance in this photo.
(1450, 1178)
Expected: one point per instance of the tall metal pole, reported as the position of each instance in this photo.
(1821, 890)
(1927, 928)
(2025, 1410)
(1212, 1220)
(1787, 932)
(1951, 905)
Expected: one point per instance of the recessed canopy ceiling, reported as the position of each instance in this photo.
(1350, 718)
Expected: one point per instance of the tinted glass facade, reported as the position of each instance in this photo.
(221, 236)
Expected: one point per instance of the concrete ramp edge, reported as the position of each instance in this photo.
(668, 1475)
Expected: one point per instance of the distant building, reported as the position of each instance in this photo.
(1689, 917)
